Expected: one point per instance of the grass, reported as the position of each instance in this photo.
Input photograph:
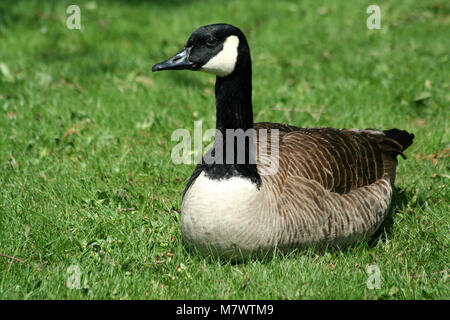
(86, 177)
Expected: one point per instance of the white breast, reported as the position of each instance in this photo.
(218, 214)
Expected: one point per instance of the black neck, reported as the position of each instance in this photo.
(234, 111)
(234, 100)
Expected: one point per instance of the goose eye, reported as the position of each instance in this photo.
(211, 42)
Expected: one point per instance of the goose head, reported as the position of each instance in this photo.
(219, 49)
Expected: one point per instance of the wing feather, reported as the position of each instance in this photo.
(341, 160)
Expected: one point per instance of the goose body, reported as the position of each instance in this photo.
(329, 186)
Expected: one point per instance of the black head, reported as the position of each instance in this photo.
(215, 48)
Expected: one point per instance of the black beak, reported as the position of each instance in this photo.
(179, 61)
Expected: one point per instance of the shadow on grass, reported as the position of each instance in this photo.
(400, 199)
(248, 259)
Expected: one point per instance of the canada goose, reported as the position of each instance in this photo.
(332, 187)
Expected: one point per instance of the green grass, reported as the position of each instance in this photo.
(86, 177)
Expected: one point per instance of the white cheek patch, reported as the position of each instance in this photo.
(224, 62)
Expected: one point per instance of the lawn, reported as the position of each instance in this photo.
(90, 199)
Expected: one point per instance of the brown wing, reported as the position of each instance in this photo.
(340, 160)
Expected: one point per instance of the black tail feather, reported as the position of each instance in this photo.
(401, 136)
